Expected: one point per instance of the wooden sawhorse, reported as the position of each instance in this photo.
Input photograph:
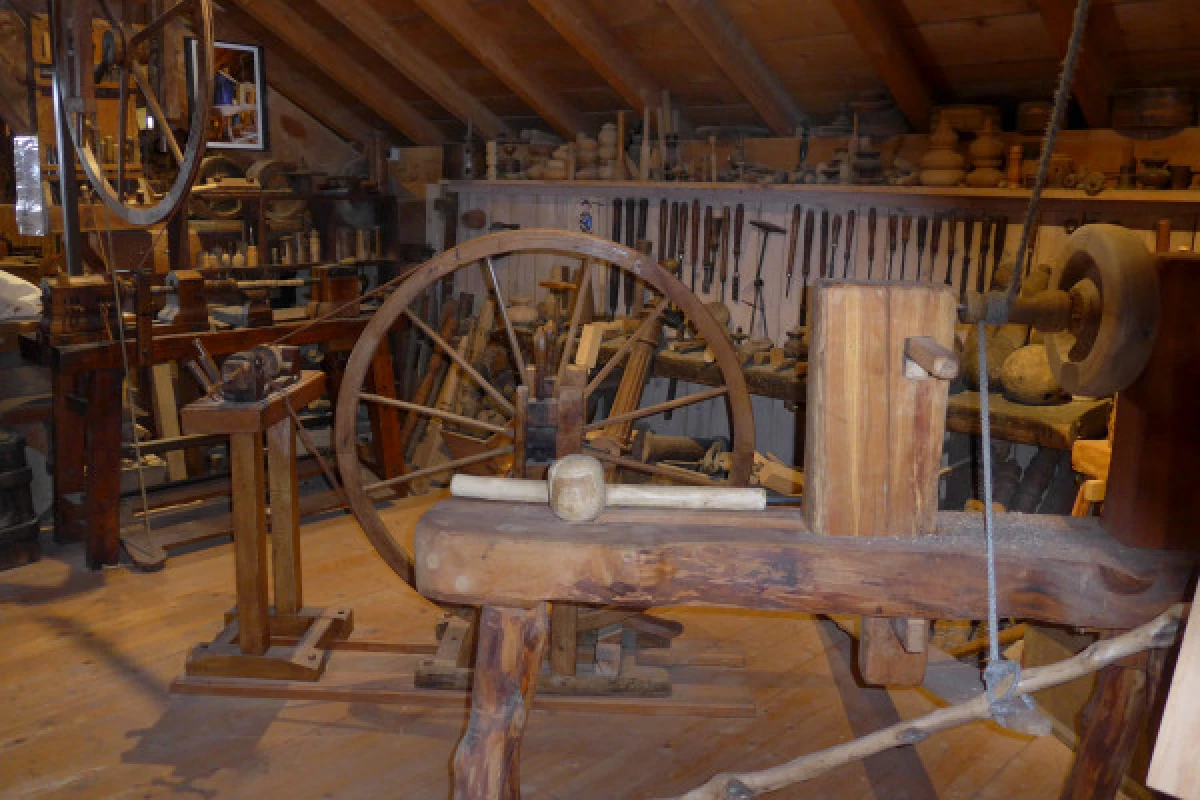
(286, 642)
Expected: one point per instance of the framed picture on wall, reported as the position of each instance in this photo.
(239, 112)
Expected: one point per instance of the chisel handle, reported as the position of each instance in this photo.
(793, 235)
(872, 220)
(837, 235)
(851, 223)
(739, 218)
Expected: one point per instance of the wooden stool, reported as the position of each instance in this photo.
(287, 641)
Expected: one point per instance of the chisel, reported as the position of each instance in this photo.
(708, 250)
(985, 243)
(793, 237)
(724, 255)
(922, 233)
(837, 234)
(672, 243)
(663, 211)
(893, 222)
(998, 250)
(614, 272)
(681, 253)
(935, 244)
(695, 239)
(968, 234)
(851, 219)
(643, 214)
(823, 260)
(951, 242)
(739, 217)
(905, 235)
(806, 261)
(872, 221)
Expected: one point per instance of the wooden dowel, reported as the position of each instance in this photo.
(449, 416)
(437, 469)
(658, 408)
(462, 362)
(512, 490)
(611, 364)
(674, 473)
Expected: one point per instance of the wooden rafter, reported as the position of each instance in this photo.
(338, 64)
(378, 33)
(1094, 81)
(311, 98)
(576, 23)
(737, 57)
(474, 33)
(877, 33)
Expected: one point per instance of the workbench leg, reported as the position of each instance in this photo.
(104, 412)
(1112, 722)
(250, 542)
(68, 457)
(507, 662)
(285, 517)
(386, 441)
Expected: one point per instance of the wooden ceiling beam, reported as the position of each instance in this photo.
(282, 76)
(378, 33)
(474, 33)
(878, 35)
(584, 31)
(332, 59)
(737, 57)
(1094, 82)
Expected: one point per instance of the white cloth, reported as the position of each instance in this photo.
(18, 298)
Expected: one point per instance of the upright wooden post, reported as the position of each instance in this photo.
(103, 426)
(875, 424)
(250, 548)
(511, 643)
(285, 517)
(564, 617)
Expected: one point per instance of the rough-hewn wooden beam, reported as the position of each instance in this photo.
(576, 23)
(361, 19)
(1094, 81)
(338, 64)
(282, 76)
(474, 33)
(877, 33)
(737, 57)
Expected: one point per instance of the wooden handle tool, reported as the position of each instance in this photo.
(893, 223)
(905, 235)
(922, 234)
(851, 221)
(837, 236)
(663, 215)
(935, 243)
(872, 220)
(739, 219)
(793, 236)
(806, 261)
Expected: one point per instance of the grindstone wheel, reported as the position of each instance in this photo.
(494, 259)
(127, 64)
(1113, 284)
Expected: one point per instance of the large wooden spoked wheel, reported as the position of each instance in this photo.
(596, 255)
(126, 59)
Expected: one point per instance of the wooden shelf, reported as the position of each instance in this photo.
(1057, 426)
(909, 197)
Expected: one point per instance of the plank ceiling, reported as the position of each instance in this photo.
(964, 51)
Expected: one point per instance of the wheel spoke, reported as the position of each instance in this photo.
(581, 298)
(641, 331)
(160, 116)
(449, 416)
(489, 278)
(463, 364)
(658, 408)
(449, 466)
(122, 113)
(674, 473)
(159, 23)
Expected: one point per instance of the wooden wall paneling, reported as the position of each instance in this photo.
(373, 28)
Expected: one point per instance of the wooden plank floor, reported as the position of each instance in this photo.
(87, 657)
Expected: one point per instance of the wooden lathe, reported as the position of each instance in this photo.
(870, 540)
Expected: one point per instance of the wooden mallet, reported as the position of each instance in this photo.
(576, 492)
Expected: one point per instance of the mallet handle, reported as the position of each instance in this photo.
(517, 490)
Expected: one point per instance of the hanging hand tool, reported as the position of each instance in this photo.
(837, 234)
(998, 250)
(951, 241)
(824, 255)
(793, 236)
(739, 217)
(968, 234)
(1032, 251)
(695, 239)
(935, 243)
(663, 213)
(872, 219)
(985, 243)
(765, 229)
(614, 272)
(905, 235)
(922, 233)
(709, 250)
(893, 223)
(851, 219)
(724, 229)
(806, 261)
(682, 251)
(630, 241)
(643, 213)
(672, 249)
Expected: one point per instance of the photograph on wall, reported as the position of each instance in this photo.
(239, 113)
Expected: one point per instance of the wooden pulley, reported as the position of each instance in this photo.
(1111, 280)
(213, 169)
(274, 174)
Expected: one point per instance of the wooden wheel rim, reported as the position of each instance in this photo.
(498, 244)
(198, 122)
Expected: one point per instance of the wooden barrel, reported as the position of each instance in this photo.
(18, 522)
